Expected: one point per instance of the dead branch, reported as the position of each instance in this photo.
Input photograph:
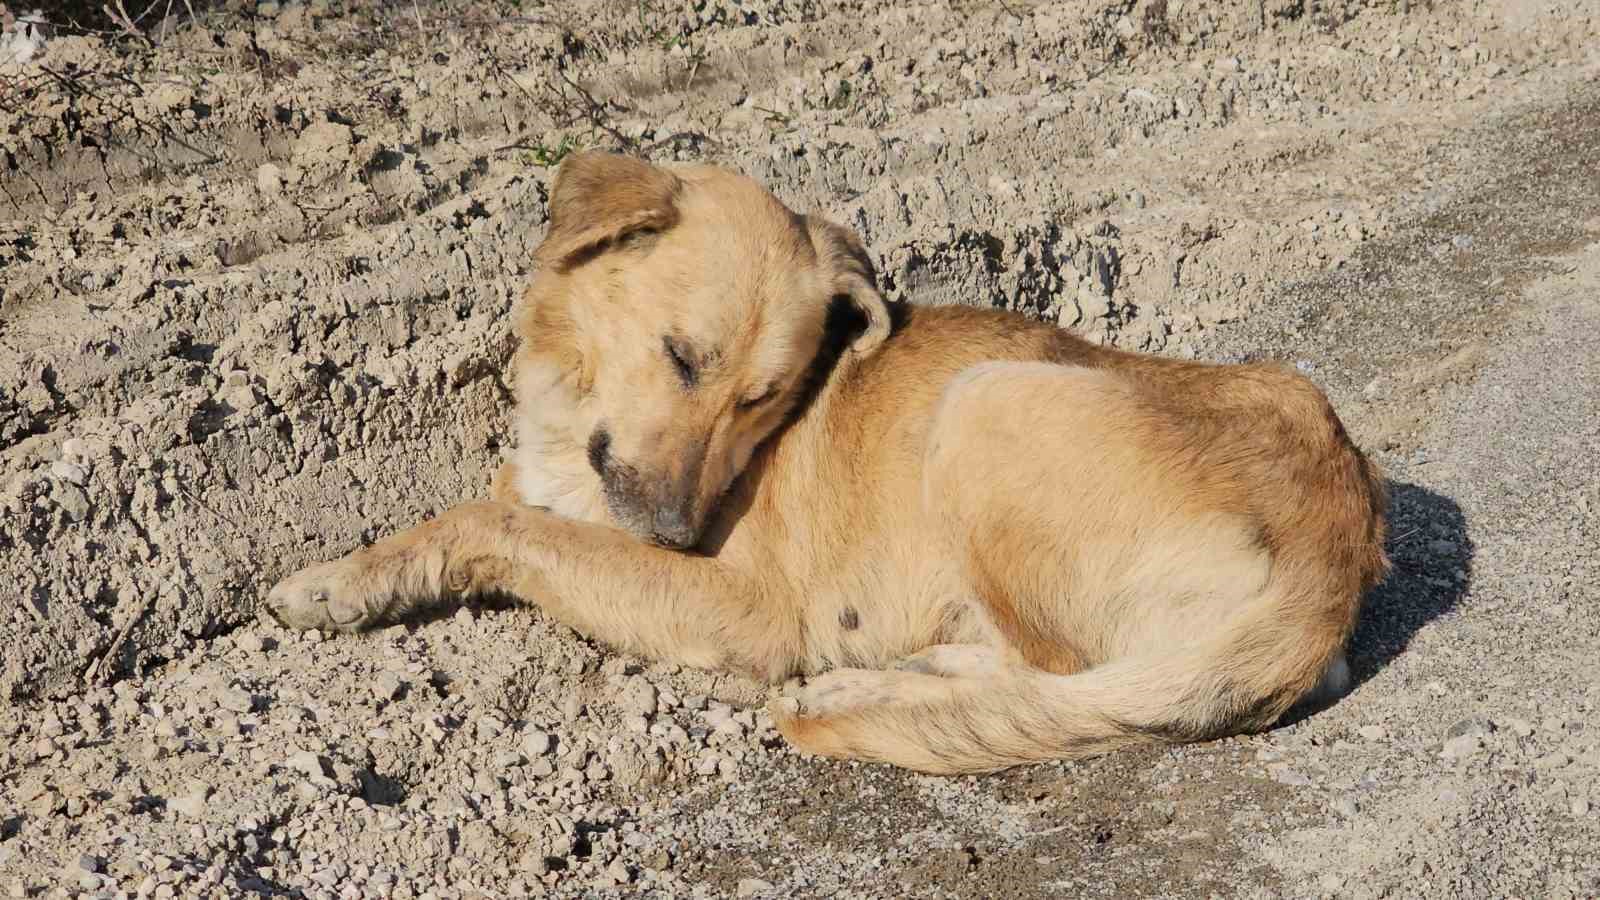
(594, 110)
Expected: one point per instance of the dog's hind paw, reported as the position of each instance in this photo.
(842, 691)
(954, 661)
(834, 714)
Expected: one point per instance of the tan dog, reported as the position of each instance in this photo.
(734, 454)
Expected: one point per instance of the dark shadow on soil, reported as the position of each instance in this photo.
(1431, 552)
(478, 604)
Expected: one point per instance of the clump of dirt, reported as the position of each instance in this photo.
(256, 262)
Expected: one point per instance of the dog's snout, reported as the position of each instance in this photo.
(658, 502)
(671, 527)
(600, 450)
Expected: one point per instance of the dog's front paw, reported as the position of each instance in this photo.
(333, 596)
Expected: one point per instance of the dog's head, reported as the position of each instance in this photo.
(688, 314)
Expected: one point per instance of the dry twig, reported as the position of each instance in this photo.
(594, 110)
(692, 136)
(118, 14)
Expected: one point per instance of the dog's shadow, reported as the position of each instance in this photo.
(1432, 553)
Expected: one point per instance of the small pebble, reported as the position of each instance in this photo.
(1372, 732)
(386, 686)
(638, 698)
(1462, 747)
(1552, 761)
(72, 500)
(236, 701)
(305, 762)
(1474, 727)
(1285, 775)
(618, 871)
(192, 805)
(751, 887)
(536, 743)
(69, 471)
(571, 707)
(269, 179)
(489, 728)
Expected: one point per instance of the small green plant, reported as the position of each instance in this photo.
(544, 155)
(669, 41)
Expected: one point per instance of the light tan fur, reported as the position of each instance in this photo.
(987, 541)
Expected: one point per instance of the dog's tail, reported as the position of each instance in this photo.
(1242, 680)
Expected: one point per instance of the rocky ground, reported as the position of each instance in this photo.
(255, 265)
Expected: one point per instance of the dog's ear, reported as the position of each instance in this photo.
(599, 198)
(841, 255)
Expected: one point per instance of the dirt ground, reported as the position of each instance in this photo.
(255, 270)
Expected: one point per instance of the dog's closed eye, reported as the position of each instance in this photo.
(682, 360)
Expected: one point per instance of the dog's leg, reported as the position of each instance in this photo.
(677, 606)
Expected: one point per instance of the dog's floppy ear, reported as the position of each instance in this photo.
(598, 198)
(840, 253)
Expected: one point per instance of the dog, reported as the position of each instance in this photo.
(984, 541)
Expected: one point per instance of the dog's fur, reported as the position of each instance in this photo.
(990, 542)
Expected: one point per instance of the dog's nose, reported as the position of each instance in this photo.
(670, 528)
(600, 450)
